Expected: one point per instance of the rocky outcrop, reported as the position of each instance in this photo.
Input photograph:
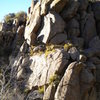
(59, 57)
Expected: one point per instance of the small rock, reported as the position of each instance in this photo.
(82, 58)
(73, 53)
(95, 42)
(58, 39)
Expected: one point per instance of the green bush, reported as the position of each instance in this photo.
(21, 15)
(9, 18)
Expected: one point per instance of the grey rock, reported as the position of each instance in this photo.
(69, 88)
(96, 10)
(49, 93)
(82, 58)
(91, 66)
(87, 81)
(33, 25)
(58, 39)
(95, 43)
(58, 5)
(42, 67)
(73, 28)
(83, 5)
(53, 24)
(88, 27)
(73, 53)
(90, 52)
(34, 95)
(95, 60)
(20, 30)
(78, 42)
(70, 10)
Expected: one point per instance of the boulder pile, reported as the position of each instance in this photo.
(60, 56)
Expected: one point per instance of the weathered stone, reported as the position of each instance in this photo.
(33, 25)
(82, 58)
(43, 68)
(91, 67)
(70, 12)
(34, 95)
(95, 43)
(53, 24)
(1, 26)
(45, 5)
(90, 52)
(58, 5)
(95, 60)
(73, 53)
(87, 81)
(20, 30)
(88, 27)
(49, 93)
(24, 48)
(73, 28)
(83, 5)
(69, 88)
(58, 39)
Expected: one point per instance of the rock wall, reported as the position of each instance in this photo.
(60, 56)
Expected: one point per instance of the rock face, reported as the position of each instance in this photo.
(53, 21)
(69, 88)
(33, 24)
(56, 56)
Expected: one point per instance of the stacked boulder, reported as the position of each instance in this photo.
(60, 57)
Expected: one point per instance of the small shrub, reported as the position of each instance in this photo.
(41, 89)
(54, 79)
(49, 49)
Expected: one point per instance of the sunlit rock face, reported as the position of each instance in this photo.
(59, 57)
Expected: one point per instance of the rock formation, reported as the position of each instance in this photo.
(59, 57)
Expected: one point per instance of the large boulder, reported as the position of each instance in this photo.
(69, 86)
(58, 5)
(33, 25)
(55, 5)
(41, 67)
(88, 26)
(53, 26)
(70, 11)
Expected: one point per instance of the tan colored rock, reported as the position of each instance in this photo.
(43, 68)
(82, 58)
(58, 39)
(53, 24)
(20, 30)
(69, 86)
(88, 26)
(49, 93)
(1, 26)
(45, 6)
(33, 25)
(58, 5)
(87, 81)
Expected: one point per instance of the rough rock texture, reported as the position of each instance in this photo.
(33, 25)
(58, 55)
(70, 80)
(52, 21)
